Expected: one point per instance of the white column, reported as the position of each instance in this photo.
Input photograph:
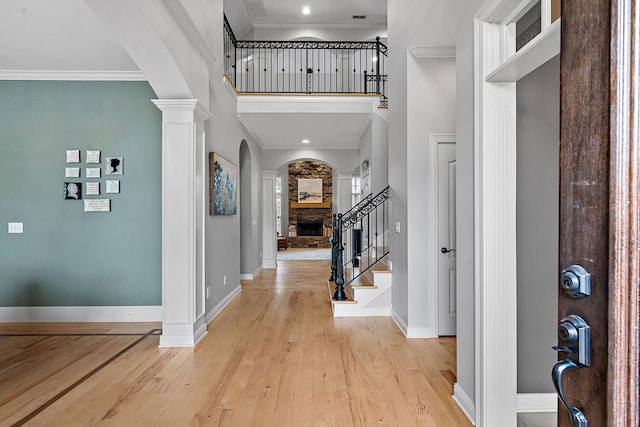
(182, 218)
(344, 191)
(269, 248)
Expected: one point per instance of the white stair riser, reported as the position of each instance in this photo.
(378, 304)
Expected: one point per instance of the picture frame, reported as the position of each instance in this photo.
(113, 165)
(223, 185)
(310, 190)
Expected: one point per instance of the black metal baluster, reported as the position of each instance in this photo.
(334, 249)
(339, 294)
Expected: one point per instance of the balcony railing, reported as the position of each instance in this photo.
(305, 67)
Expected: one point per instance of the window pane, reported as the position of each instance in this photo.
(555, 10)
(529, 26)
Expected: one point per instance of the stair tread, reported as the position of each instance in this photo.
(347, 291)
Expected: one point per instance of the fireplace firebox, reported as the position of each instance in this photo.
(310, 228)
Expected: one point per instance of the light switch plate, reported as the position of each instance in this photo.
(15, 227)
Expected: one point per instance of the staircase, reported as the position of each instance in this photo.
(362, 279)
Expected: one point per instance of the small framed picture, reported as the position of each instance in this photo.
(92, 172)
(113, 165)
(72, 172)
(113, 186)
(73, 190)
(93, 156)
(93, 189)
(73, 156)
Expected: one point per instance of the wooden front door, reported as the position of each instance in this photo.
(599, 171)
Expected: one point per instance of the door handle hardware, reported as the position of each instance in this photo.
(578, 418)
(575, 339)
(446, 251)
(576, 281)
(574, 336)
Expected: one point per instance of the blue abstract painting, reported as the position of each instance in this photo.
(223, 184)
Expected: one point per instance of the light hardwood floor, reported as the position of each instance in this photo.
(274, 357)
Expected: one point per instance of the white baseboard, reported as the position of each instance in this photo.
(420, 333)
(537, 402)
(221, 305)
(401, 323)
(148, 313)
(465, 403)
(251, 276)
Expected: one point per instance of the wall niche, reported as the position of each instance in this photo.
(315, 212)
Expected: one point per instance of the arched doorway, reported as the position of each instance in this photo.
(248, 230)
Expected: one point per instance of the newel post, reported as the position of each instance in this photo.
(339, 294)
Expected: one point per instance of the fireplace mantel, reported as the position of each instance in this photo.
(296, 205)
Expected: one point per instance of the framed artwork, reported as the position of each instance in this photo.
(73, 156)
(93, 156)
(113, 165)
(223, 186)
(310, 190)
(73, 190)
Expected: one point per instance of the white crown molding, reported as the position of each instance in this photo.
(364, 126)
(186, 23)
(433, 51)
(295, 26)
(151, 313)
(69, 75)
(311, 147)
(250, 129)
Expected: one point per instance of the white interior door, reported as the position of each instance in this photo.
(447, 238)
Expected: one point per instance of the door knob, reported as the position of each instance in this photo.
(446, 251)
(574, 336)
(577, 417)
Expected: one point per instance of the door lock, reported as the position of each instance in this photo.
(574, 336)
(576, 281)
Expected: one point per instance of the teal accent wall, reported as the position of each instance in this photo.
(68, 257)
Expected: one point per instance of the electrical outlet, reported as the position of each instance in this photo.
(16, 227)
(224, 280)
(208, 291)
(397, 226)
(129, 314)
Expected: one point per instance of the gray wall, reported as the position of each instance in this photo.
(538, 104)
(67, 257)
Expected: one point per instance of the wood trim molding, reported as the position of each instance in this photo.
(323, 205)
(624, 211)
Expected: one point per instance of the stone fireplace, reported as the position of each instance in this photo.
(311, 221)
(310, 228)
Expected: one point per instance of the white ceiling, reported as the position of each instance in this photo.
(65, 35)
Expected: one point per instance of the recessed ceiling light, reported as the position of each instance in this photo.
(306, 10)
(305, 141)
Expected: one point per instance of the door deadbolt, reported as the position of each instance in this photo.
(576, 281)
